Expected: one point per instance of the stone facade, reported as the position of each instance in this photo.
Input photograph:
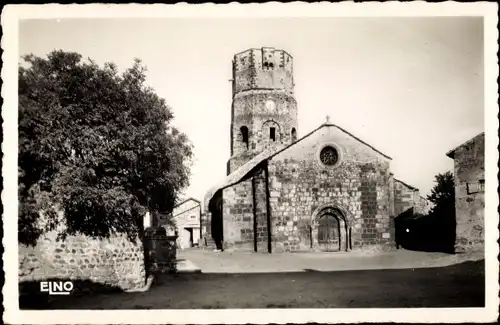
(264, 110)
(408, 197)
(358, 186)
(423, 205)
(275, 204)
(328, 190)
(114, 262)
(469, 193)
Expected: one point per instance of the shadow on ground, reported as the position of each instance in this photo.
(461, 285)
(30, 296)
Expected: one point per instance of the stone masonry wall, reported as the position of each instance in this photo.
(469, 194)
(274, 69)
(263, 68)
(114, 262)
(262, 99)
(359, 185)
(250, 111)
(238, 216)
(423, 206)
(407, 197)
(391, 196)
(404, 197)
(261, 211)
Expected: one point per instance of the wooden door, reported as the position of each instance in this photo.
(329, 233)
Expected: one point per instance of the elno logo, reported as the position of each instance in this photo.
(56, 287)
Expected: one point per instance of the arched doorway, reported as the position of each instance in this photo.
(328, 233)
(216, 225)
(330, 230)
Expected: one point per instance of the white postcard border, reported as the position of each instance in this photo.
(10, 18)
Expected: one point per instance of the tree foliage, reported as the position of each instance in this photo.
(96, 148)
(443, 196)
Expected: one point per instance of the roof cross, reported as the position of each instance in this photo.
(327, 119)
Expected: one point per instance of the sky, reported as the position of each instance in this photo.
(411, 87)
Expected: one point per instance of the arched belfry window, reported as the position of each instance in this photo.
(294, 135)
(244, 135)
(271, 131)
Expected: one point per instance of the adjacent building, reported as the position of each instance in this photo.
(187, 218)
(327, 191)
(469, 193)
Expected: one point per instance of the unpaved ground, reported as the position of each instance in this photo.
(248, 262)
(459, 285)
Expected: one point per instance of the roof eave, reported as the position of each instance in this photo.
(358, 139)
(407, 185)
(272, 155)
(451, 153)
(188, 199)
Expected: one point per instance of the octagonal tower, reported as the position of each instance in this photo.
(264, 109)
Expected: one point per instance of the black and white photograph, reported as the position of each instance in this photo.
(261, 163)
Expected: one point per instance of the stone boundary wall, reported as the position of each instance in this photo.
(114, 262)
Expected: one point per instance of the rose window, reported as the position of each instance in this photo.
(329, 156)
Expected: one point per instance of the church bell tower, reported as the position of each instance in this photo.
(264, 109)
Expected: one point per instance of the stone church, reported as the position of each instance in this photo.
(325, 191)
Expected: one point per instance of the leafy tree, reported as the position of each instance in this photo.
(443, 196)
(96, 149)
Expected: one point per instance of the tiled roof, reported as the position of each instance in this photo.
(268, 153)
(241, 172)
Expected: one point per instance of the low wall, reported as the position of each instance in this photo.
(161, 252)
(114, 262)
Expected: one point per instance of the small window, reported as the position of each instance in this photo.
(272, 134)
(476, 187)
(294, 135)
(271, 65)
(244, 135)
